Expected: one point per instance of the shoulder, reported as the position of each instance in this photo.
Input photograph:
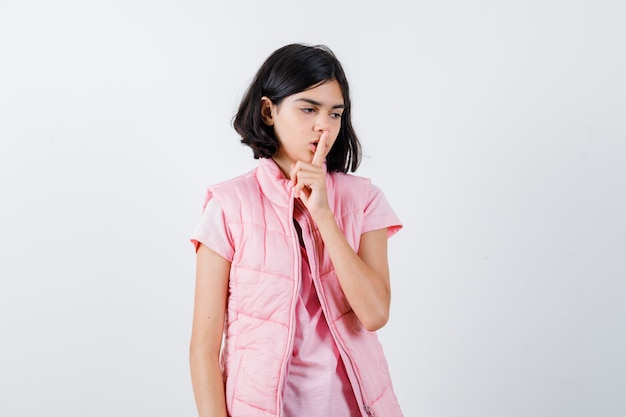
(355, 191)
(348, 192)
(233, 189)
(236, 182)
(343, 181)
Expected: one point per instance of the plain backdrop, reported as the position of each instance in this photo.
(497, 130)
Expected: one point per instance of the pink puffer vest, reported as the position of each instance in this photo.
(264, 280)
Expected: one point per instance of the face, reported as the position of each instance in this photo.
(300, 119)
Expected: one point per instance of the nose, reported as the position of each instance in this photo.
(321, 122)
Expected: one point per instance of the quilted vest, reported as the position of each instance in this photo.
(263, 288)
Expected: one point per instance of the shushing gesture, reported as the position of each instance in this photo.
(309, 179)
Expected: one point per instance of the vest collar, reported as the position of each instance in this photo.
(273, 183)
(275, 186)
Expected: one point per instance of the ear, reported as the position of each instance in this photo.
(267, 110)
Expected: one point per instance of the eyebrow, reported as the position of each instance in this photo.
(317, 103)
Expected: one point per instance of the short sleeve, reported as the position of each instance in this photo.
(213, 231)
(379, 214)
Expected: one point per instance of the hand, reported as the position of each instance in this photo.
(309, 179)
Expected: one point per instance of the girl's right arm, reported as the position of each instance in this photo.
(212, 273)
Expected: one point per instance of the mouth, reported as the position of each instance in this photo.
(313, 145)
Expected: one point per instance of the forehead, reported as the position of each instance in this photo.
(328, 93)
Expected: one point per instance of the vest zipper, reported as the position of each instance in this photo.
(292, 328)
(318, 288)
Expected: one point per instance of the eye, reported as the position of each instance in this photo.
(308, 109)
(335, 115)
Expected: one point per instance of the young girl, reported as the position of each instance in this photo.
(292, 258)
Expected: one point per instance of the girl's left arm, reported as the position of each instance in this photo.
(364, 276)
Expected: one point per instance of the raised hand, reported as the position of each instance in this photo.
(309, 179)
(363, 276)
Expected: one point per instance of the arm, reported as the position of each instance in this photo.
(212, 273)
(364, 277)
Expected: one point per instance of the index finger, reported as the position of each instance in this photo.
(321, 152)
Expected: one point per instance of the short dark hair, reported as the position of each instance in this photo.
(290, 70)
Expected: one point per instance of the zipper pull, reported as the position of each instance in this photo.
(369, 410)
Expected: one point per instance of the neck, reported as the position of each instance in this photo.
(285, 166)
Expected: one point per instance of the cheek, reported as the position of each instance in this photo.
(337, 129)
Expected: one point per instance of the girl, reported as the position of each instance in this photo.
(292, 258)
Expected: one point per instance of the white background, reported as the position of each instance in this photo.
(497, 130)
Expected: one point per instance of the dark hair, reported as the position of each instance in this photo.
(290, 70)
